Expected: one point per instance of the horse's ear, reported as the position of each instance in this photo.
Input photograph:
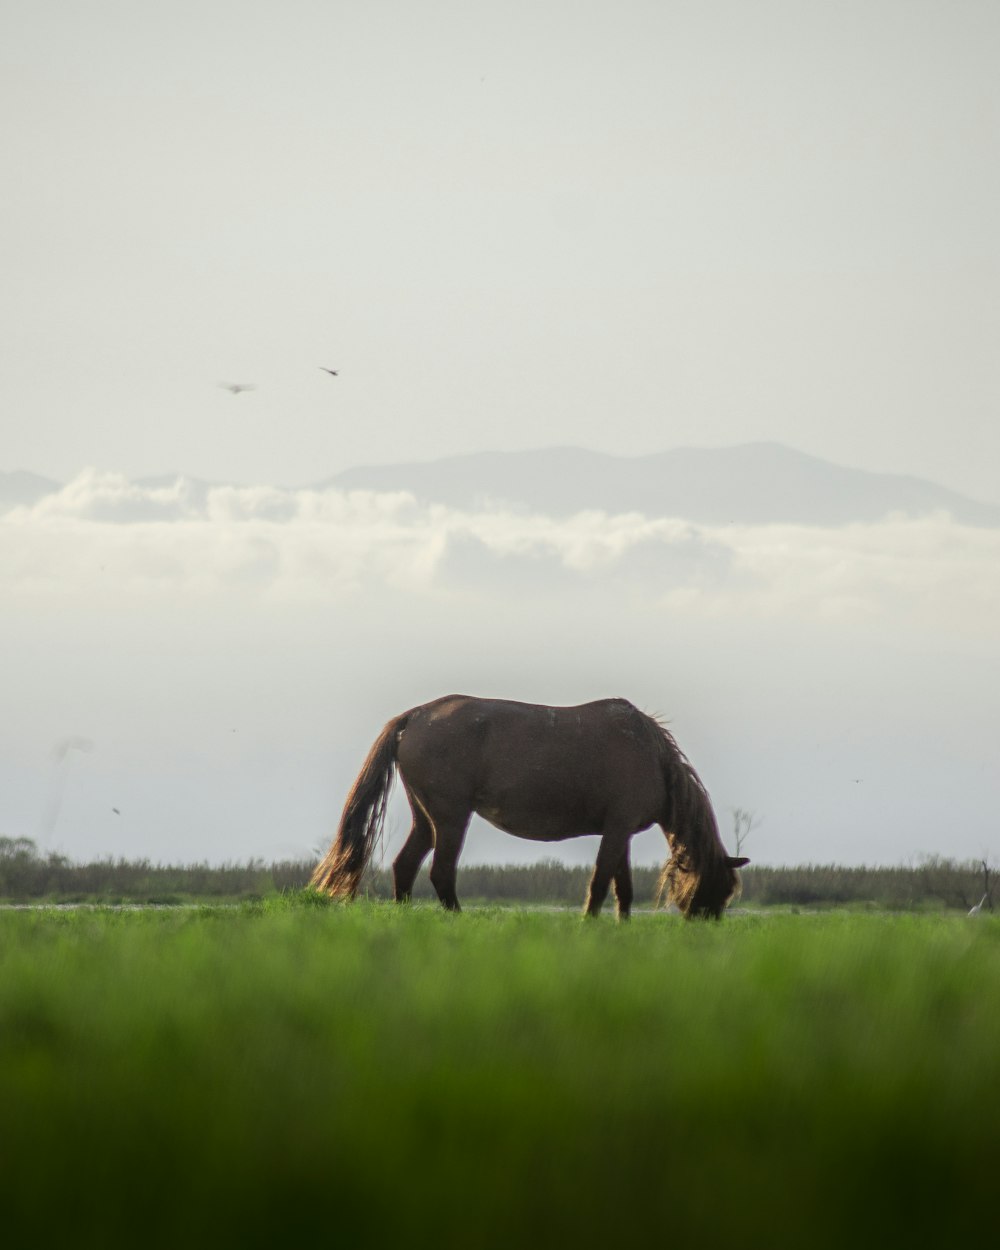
(738, 861)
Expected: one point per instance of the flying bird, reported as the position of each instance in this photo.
(236, 387)
(116, 811)
(330, 371)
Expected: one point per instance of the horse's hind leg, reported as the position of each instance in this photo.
(449, 835)
(414, 850)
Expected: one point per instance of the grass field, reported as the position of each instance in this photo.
(373, 1075)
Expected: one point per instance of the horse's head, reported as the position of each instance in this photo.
(717, 886)
(700, 891)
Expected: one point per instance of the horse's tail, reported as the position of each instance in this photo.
(340, 871)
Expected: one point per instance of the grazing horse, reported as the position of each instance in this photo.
(542, 773)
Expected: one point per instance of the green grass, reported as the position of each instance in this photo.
(377, 1075)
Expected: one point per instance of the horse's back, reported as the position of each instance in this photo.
(459, 714)
(466, 704)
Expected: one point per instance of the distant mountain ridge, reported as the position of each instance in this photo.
(755, 484)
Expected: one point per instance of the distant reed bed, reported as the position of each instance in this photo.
(26, 875)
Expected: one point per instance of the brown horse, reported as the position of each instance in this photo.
(543, 773)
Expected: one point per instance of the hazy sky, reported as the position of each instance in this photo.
(229, 662)
(622, 225)
(625, 226)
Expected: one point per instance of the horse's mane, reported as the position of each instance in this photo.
(698, 876)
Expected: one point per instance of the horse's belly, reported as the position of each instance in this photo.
(538, 825)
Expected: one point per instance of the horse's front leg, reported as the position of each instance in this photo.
(610, 853)
(624, 892)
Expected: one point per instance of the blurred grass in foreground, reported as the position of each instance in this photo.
(374, 1074)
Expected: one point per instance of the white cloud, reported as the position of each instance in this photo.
(105, 535)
